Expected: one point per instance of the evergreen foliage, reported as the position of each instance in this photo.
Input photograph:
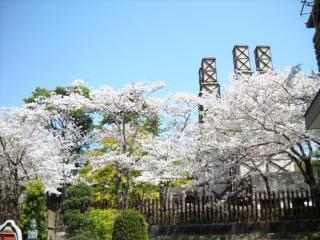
(75, 212)
(34, 208)
(130, 225)
(81, 118)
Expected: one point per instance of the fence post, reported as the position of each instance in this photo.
(229, 209)
(190, 213)
(256, 206)
(308, 204)
(247, 207)
(161, 211)
(196, 217)
(203, 209)
(274, 205)
(173, 202)
(294, 210)
(260, 205)
(207, 209)
(289, 205)
(165, 211)
(279, 205)
(181, 210)
(298, 205)
(149, 217)
(216, 210)
(211, 209)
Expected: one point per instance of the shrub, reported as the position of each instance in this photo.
(79, 196)
(34, 208)
(77, 221)
(75, 212)
(104, 221)
(130, 225)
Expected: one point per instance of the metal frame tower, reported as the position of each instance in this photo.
(208, 77)
(263, 58)
(241, 60)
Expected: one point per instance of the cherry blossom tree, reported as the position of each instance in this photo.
(60, 110)
(124, 114)
(27, 151)
(259, 119)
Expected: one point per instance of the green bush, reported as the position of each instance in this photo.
(79, 196)
(130, 225)
(77, 221)
(104, 221)
(75, 212)
(34, 208)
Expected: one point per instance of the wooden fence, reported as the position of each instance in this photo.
(258, 207)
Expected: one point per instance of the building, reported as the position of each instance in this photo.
(312, 116)
(314, 22)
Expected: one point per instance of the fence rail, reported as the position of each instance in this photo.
(258, 207)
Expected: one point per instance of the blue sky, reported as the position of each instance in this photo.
(50, 43)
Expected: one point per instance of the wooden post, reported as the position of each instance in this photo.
(238, 210)
(314, 207)
(203, 208)
(185, 211)
(270, 206)
(199, 210)
(261, 208)
(294, 210)
(308, 204)
(157, 211)
(152, 218)
(181, 210)
(233, 209)
(298, 206)
(279, 204)
(194, 215)
(190, 213)
(145, 207)
(216, 211)
(173, 213)
(256, 206)
(207, 212)
(220, 213)
(285, 211)
(229, 209)
(247, 207)
(289, 204)
(265, 206)
(165, 211)
(161, 210)
(211, 205)
(274, 205)
(149, 212)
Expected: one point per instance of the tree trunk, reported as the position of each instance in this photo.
(309, 176)
(127, 189)
(17, 192)
(164, 190)
(305, 166)
(266, 182)
(118, 186)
